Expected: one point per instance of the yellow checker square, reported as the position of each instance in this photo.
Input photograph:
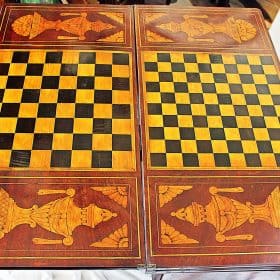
(102, 142)
(17, 69)
(210, 98)
(268, 160)
(260, 79)
(261, 134)
(23, 141)
(83, 125)
(37, 56)
(171, 133)
(265, 99)
(103, 83)
(125, 97)
(237, 160)
(214, 122)
(233, 79)
(155, 120)
(202, 133)
(185, 121)
(152, 76)
(122, 126)
(104, 58)
(249, 147)
(219, 146)
(243, 69)
(179, 77)
(238, 99)
(62, 141)
(32, 82)
(249, 89)
(48, 96)
(167, 87)
(120, 70)
(40, 158)
(150, 56)
(191, 67)
(232, 133)
(272, 122)
(153, 97)
(243, 121)
(12, 96)
(227, 110)
(254, 59)
(222, 88)
(164, 67)
(86, 70)
(181, 98)
(84, 96)
(274, 89)
(189, 146)
(70, 57)
(3, 81)
(228, 59)
(123, 160)
(103, 111)
(269, 69)
(81, 159)
(206, 78)
(174, 160)
(176, 57)
(255, 110)
(5, 156)
(206, 160)
(51, 69)
(157, 146)
(68, 82)
(277, 109)
(218, 68)
(65, 110)
(169, 109)
(198, 109)
(202, 58)
(6, 56)
(27, 110)
(275, 146)
(194, 87)
(8, 125)
(44, 125)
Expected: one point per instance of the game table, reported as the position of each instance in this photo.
(138, 136)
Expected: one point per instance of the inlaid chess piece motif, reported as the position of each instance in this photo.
(33, 25)
(238, 29)
(226, 214)
(60, 216)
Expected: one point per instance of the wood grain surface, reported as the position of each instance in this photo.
(211, 191)
(138, 136)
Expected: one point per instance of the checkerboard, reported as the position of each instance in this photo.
(211, 110)
(66, 109)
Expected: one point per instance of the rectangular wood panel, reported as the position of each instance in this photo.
(209, 87)
(69, 144)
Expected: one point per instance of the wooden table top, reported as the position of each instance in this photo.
(138, 136)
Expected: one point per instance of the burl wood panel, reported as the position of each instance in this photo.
(195, 28)
(210, 148)
(70, 181)
(70, 222)
(54, 25)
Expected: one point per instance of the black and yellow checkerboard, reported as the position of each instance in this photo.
(66, 109)
(211, 110)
